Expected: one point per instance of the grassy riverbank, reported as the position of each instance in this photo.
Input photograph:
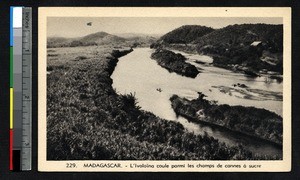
(86, 119)
(255, 122)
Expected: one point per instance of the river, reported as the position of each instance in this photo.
(139, 74)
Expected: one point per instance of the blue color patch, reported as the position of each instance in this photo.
(11, 27)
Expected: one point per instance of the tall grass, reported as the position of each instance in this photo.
(86, 119)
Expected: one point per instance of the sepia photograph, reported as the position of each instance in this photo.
(164, 89)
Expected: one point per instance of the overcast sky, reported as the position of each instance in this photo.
(77, 26)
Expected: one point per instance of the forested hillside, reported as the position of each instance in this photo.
(249, 48)
(185, 34)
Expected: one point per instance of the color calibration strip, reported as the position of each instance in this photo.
(20, 88)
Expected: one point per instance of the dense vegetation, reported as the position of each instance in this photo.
(86, 119)
(185, 34)
(252, 121)
(231, 46)
(245, 59)
(174, 62)
(245, 34)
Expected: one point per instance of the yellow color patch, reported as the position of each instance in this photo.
(11, 108)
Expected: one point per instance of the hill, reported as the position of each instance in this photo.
(98, 38)
(185, 34)
(243, 35)
(133, 35)
(102, 38)
(138, 39)
(248, 48)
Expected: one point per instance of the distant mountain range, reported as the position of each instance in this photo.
(134, 35)
(101, 38)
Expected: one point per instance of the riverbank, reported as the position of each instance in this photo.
(246, 60)
(259, 123)
(88, 120)
(174, 63)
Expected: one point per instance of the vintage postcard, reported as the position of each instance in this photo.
(164, 89)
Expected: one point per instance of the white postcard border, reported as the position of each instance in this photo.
(126, 166)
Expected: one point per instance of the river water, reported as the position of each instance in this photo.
(139, 74)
